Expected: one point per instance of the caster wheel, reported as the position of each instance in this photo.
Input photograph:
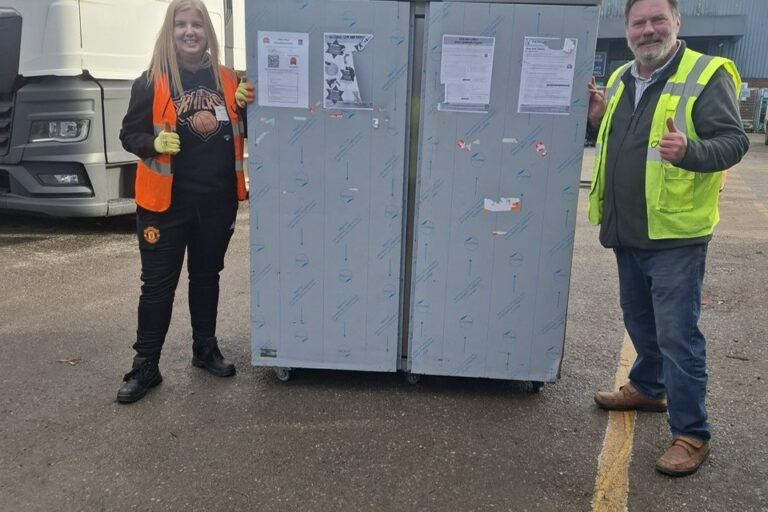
(412, 378)
(283, 374)
(535, 386)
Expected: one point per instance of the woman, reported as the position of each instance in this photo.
(184, 123)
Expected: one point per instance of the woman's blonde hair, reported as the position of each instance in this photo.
(164, 60)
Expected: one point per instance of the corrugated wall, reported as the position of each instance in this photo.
(750, 52)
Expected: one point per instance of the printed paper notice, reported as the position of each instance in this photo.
(546, 80)
(466, 69)
(341, 89)
(283, 69)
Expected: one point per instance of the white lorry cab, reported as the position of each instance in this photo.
(66, 70)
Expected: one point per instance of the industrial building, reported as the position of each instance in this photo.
(734, 29)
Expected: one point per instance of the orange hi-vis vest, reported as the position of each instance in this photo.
(154, 176)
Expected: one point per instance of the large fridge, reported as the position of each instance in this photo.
(416, 209)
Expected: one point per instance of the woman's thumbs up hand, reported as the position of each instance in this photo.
(244, 93)
(167, 141)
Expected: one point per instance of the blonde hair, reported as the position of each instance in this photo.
(164, 60)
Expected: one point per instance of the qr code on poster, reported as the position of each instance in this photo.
(273, 61)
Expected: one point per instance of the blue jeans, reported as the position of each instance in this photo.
(660, 292)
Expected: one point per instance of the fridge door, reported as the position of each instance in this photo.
(327, 181)
(498, 187)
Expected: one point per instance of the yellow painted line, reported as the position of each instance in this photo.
(612, 482)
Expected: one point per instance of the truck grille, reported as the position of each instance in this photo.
(5, 182)
(6, 114)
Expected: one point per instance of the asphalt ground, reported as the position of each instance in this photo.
(334, 440)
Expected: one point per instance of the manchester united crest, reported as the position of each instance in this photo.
(151, 235)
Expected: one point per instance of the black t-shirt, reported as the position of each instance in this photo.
(204, 168)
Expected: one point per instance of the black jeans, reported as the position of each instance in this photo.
(204, 232)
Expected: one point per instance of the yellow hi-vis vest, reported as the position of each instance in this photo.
(679, 203)
(154, 177)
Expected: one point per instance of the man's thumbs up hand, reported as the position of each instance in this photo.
(674, 144)
(671, 125)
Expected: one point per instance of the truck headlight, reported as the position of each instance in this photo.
(62, 130)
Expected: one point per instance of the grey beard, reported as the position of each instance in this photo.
(651, 62)
(655, 60)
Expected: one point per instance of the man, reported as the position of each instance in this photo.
(669, 124)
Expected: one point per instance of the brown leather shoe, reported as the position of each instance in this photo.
(627, 398)
(683, 457)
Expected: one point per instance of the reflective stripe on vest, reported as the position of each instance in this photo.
(156, 164)
(685, 91)
(680, 203)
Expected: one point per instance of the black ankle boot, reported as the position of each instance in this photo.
(206, 354)
(144, 375)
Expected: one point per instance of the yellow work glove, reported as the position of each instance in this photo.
(168, 142)
(244, 93)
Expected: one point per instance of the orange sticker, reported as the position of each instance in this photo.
(151, 235)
